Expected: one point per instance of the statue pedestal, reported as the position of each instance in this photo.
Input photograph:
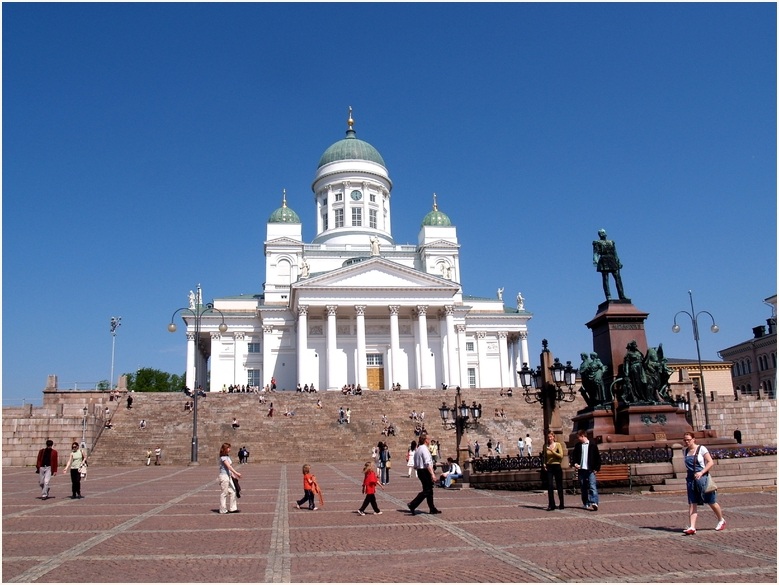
(640, 426)
(616, 324)
(655, 421)
(597, 423)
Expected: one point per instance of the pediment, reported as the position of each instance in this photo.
(376, 274)
(283, 241)
(441, 244)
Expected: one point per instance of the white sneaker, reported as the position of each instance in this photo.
(689, 531)
(361, 513)
(720, 525)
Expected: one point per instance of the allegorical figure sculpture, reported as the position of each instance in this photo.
(658, 374)
(634, 383)
(606, 261)
(591, 371)
(520, 302)
(304, 269)
(500, 294)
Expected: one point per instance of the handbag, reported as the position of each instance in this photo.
(82, 470)
(389, 464)
(710, 485)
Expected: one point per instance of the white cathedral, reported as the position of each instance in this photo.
(353, 306)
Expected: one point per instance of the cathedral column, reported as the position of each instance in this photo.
(362, 361)
(453, 377)
(267, 365)
(240, 350)
(463, 355)
(524, 356)
(394, 342)
(514, 364)
(191, 382)
(332, 383)
(503, 353)
(302, 343)
(481, 352)
(424, 348)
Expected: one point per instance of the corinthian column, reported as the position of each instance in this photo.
(424, 348)
(332, 383)
(394, 343)
(362, 362)
(302, 343)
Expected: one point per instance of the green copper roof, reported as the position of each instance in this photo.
(284, 214)
(436, 217)
(351, 148)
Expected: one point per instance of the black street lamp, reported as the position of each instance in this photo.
(84, 427)
(545, 386)
(197, 312)
(714, 329)
(460, 413)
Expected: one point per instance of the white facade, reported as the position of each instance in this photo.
(354, 307)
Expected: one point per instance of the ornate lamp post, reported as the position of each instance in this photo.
(460, 413)
(115, 322)
(545, 386)
(714, 329)
(197, 312)
(84, 427)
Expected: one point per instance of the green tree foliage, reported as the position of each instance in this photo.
(103, 385)
(151, 380)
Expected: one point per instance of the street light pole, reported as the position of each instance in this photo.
(197, 312)
(695, 333)
(460, 415)
(115, 322)
(547, 383)
(84, 428)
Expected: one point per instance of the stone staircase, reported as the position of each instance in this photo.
(313, 434)
(732, 475)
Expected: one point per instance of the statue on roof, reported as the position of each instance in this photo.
(520, 302)
(191, 299)
(375, 246)
(500, 294)
(304, 269)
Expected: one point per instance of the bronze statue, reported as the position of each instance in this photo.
(592, 371)
(658, 374)
(634, 382)
(606, 261)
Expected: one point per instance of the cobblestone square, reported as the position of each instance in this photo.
(161, 524)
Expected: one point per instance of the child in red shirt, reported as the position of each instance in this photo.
(309, 481)
(369, 483)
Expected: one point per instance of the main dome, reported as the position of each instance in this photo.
(351, 148)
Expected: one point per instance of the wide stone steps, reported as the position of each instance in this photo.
(313, 434)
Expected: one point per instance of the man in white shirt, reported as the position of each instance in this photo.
(455, 472)
(529, 445)
(423, 463)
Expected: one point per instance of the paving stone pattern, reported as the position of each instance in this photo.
(161, 524)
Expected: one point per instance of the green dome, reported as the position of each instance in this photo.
(351, 148)
(436, 217)
(284, 214)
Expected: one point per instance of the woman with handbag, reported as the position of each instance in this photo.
(698, 462)
(77, 462)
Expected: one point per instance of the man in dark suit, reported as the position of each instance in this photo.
(586, 461)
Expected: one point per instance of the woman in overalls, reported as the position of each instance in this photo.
(698, 462)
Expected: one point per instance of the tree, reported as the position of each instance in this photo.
(103, 385)
(152, 380)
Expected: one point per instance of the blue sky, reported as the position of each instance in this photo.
(146, 145)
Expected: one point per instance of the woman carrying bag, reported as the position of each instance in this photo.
(77, 464)
(698, 462)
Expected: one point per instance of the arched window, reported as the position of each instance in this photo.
(749, 366)
(773, 360)
(769, 388)
(736, 370)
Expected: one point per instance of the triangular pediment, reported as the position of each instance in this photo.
(283, 241)
(440, 244)
(375, 273)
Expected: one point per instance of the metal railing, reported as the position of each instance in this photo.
(608, 457)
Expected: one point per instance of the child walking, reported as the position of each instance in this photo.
(309, 481)
(369, 483)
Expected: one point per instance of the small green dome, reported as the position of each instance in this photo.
(284, 214)
(436, 217)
